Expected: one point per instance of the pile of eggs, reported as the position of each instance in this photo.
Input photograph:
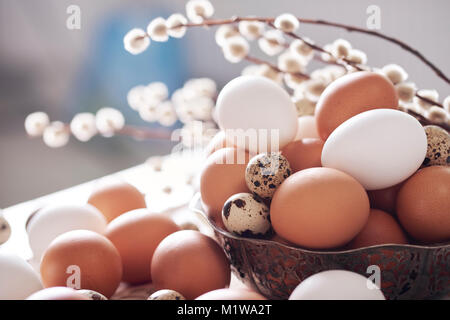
(358, 173)
(85, 251)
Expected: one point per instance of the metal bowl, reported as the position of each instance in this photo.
(275, 269)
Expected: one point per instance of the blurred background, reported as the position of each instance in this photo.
(46, 67)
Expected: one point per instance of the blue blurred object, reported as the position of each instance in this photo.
(110, 71)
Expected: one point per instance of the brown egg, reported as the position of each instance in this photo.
(136, 234)
(350, 95)
(303, 154)
(384, 199)
(222, 176)
(115, 198)
(381, 228)
(231, 294)
(423, 204)
(190, 263)
(83, 258)
(58, 293)
(307, 128)
(217, 142)
(319, 208)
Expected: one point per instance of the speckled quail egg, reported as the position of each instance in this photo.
(5, 230)
(166, 295)
(438, 152)
(265, 172)
(246, 215)
(91, 294)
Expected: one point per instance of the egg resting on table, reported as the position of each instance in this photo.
(58, 293)
(265, 172)
(190, 263)
(438, 151)
(246, 215)
(116, 197)
(166, 294)
(83, 258)
(136, 234)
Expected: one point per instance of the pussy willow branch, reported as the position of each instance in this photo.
(274, 67)
(349, 28)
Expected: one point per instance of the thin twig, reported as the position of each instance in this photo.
(274, 67)
(349, 28)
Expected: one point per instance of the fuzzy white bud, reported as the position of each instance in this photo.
(301, 48)
(446, 104)
(293, 81)
(405, 91)
(341, 48)
(157, 30)
(56, 135)
(83, 126)
(224, 32)
(395, 73)
(304, 106)
(108, 121)
(175, 25)
(166, 114)
(235, 49)
(286, 22)
(148, 112)
(272, 43)
(436, 114)
(432, 95)
(198, 10)
(136, 41)
(251, 29)
(288, 62)
(35, 123)
(158, 90)
(357, 56)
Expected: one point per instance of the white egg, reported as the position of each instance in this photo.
(256, 114)
(337, 285)
(307, 128)
(379, 148)
(49, 222)
(18, 279)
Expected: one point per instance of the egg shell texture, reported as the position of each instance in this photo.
(166, 295)
(98, 262)
(303, 154)
(246, 215)
(5, 230)
(116, 197)
(256, 103)
(379, 148)
(423, 204)
(231, 294)
(190, 263)
(136, 234)
(438, 151)
(319, 208)
(265, 172)
(223, 175)
(350, 95)
(18, 279)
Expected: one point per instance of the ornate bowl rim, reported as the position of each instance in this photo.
(196, 206)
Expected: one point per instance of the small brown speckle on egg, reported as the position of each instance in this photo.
(438, 150)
